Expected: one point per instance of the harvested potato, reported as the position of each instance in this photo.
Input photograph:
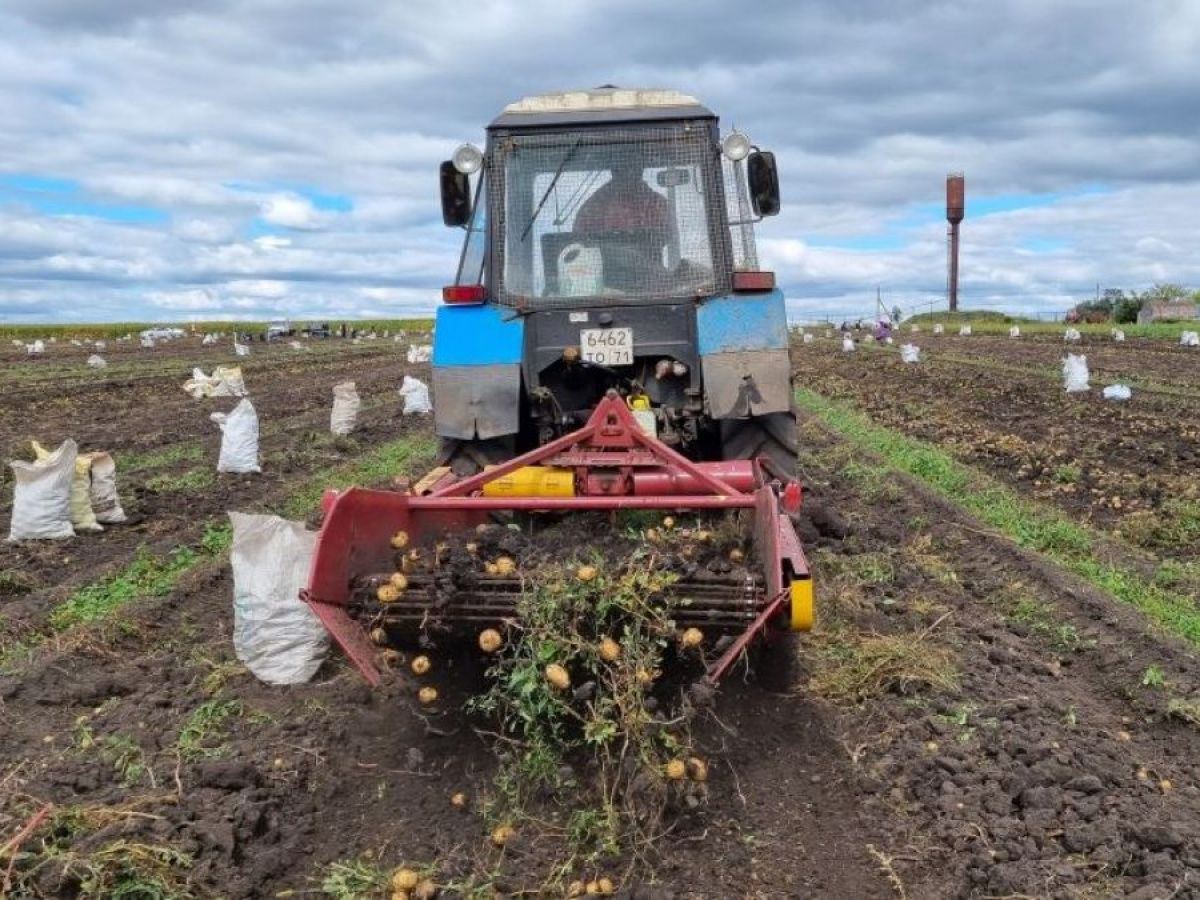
(675, 770)
(421, 664)
(586, 573)
(459, 800)
(558, 676)
(399, 540)
(391, 657)
(605, 886)
(379, 636)
(490, 640)
(399, 581)
(576, 889)
(502, 834)
(610, 650)
(427, 695)
(668, 522)
(697, 769)
(646, 677)
(491, 568)
(691, 638)
(405, 879)
(736, 555)
(505, 566)
(426, 890)
(387, 593)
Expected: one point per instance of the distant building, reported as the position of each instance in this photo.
(1167, 311)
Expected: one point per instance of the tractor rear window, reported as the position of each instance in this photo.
(602, 215)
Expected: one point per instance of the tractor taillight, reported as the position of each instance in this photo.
(753, 282)
(463, 293)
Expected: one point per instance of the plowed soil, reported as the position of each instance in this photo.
(967, 720)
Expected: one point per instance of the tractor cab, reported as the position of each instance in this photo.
(608, 242)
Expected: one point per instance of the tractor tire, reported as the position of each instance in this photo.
(772, 437)
(467, 458)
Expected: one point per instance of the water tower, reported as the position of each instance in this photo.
(956, 208)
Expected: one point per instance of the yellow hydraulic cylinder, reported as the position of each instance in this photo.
(533, 481)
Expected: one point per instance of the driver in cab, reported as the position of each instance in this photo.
(631, 223)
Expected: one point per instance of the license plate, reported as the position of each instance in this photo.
(607, 346)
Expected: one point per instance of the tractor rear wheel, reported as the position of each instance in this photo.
(772, 436)
(466, 458)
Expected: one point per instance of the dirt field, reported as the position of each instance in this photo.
(969, 719)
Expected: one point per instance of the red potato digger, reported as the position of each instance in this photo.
(609, 344)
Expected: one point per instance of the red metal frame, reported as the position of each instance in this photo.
(605, 453)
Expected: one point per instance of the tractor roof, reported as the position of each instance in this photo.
(601, 105)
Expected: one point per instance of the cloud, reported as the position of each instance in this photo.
(290, 211)
(295, 145)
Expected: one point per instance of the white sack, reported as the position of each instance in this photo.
(82, 516)
(75, 343)
(147, 342)
(35, 347)
(910, 353)
(419, 353)
(915, 329)
(105, 502)
(209, 339)
(828, 333)
(97, 362)
(345, 408)
(847, 344)
(42, 496)
(939, 328)
(296, 345)
(241, 349)
(239, 439)
(1118, 335)
(225, 381)
(1014, 332)
(1072, 334)
(964, 331)
(416, 396)
(17, 343)
(275, 634)
(808, 338)
(100, 345)
(1117, 392)
(1075, 373)
(1190, 339)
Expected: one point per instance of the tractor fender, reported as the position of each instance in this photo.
(477, 372)
(743, 343)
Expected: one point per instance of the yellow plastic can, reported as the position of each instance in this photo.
(533, 481)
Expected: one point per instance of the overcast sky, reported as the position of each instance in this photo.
(278, 157)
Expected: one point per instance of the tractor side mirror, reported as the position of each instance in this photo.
(764, 183)
(456, 195)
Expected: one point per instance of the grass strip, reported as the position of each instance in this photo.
(377, 466)
(1029, 524)
(146, 576)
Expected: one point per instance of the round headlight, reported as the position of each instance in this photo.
(467, 159)
(736, 146)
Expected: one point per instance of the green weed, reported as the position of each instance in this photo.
(202, 734)
(126, 756)
(1153, 677)
(157, 459)
(192, 480)
(356, 879)
(1068, 473)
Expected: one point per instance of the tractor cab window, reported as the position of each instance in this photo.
(600, 214)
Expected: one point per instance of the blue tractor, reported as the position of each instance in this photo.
(609, 246)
